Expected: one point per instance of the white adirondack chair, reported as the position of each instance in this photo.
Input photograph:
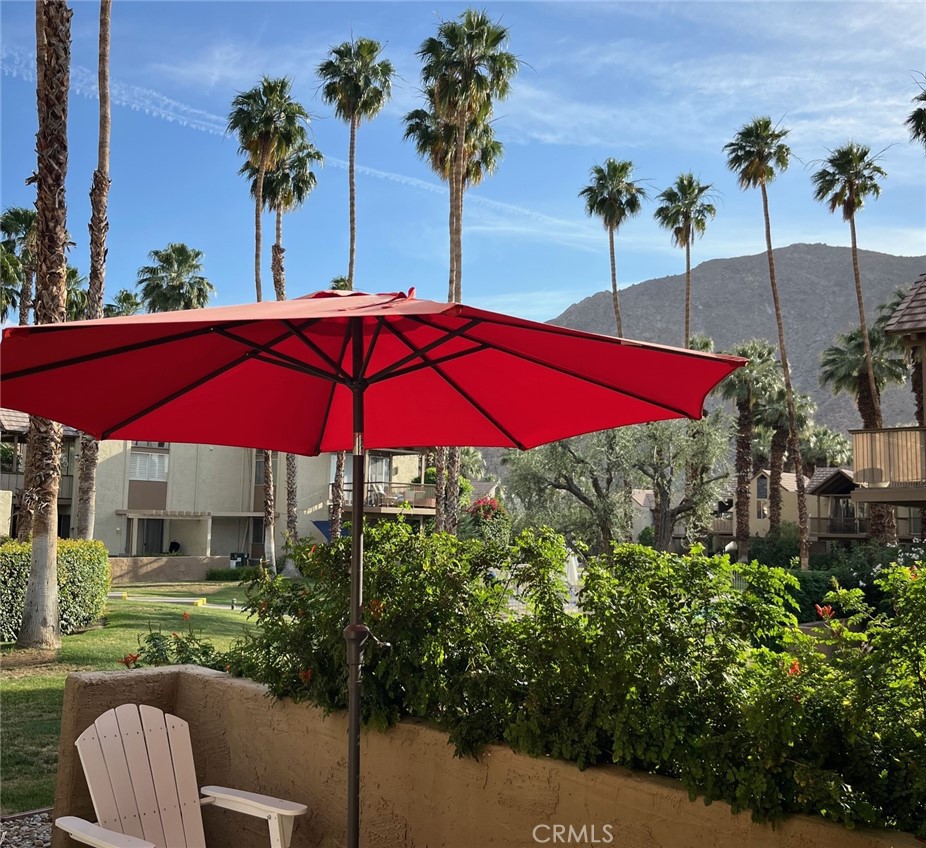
(138, 762)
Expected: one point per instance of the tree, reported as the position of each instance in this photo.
(124, 303)
(40, 628)
(849, 175)
(174, 281)
(822, 447)
(744, 387)
(358, 84)
(18, 226)
(286, 188)
(11, 275)
(267, 122)
(99, 226)
(76, 297)
(917, 120)
(684, 212)
(844, 370)
(753, 155)
(614, 197)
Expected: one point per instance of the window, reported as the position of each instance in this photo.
(762, 488)
(148, 466)
(380, 469)
(257, 531)
(150, 444)
(761, 509)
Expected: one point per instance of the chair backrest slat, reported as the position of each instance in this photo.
(162, 773)
(107, 730)
(101, 790)
(181, 749)
(136, 756)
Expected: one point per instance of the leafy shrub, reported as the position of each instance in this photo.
(777, 550)
(83, 583)
(158, 648)
(233, 575)
(647, 536)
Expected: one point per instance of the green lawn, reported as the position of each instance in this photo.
(214, 592)
(32, 684)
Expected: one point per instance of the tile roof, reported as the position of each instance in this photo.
(823, 478)
(13, 421)
(644, 498)
(910, 316)
(788, 480)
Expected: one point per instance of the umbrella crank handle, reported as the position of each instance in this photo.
(356, 636)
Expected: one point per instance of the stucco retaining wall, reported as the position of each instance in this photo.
(163, 569)
(415, 793)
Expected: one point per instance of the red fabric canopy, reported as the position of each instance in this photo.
(279, 375)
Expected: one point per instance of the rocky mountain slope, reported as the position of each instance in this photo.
(732, 302)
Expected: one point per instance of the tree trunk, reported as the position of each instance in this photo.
(776, 464)
(40, 628)
(258, 208)
(269, 513)
(663, 519)
(614, 300)
(687, 341)
(866, 341)
(99, 227)
(440, 489)
(351, 188)
(459, 171)
(882, 519)
(25, 294)
(793, 441)
(452, 511)
(337, 497)
(276, 263)
(743, 477)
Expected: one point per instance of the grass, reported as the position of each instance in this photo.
(215, 592)
(32, 688)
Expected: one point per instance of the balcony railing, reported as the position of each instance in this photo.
(12, 482)
(845, 526)
(722, 526)
(890, 457)
(395, 495)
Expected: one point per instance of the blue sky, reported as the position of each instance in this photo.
(663, 84)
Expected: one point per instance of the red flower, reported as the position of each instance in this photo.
(186, 616)
(795, 669)
(825, 613)
(375, 607)
(129, 660)
(306, 675)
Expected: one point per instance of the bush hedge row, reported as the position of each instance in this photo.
(83, 583)
(666, 666)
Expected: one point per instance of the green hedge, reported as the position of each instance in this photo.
(83, 583)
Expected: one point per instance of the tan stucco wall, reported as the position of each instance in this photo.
(166, 569)
(112, 480)
(414, 792)
(6, 511)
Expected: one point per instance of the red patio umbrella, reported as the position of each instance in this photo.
(354, 371)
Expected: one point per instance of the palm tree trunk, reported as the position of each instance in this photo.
(25, 295)
(614, 300)
(882, 519)
(793, 443)
(269, 513)
(258, 207)
(292, 527)
(459, 168)
(276, 263)
(440, 489)
(743, 477)
(776, 465)
(40, 628)
(452, 511)
(99, 227)
(687, 340)
(351, 188)
(866, 342)
(337, 497)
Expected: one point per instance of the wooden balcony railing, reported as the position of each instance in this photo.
(839, 526)
(722, 526)
(893, 456)
(416, 495)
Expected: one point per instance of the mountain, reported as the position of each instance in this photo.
(731, 301)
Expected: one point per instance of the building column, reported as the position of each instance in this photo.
(133, 535)
(209, 535)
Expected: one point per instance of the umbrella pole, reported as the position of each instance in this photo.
(356, 632)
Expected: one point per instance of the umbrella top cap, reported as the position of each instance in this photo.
(327, 293)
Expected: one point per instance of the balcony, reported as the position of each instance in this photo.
(723, 525)
(890, 465)
(12, 482)
(392, 497)
(845, 527)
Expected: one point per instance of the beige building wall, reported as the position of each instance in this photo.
(112, 483)
(6, 511)
(759, 526)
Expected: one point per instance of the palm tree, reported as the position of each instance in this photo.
(11, 275)
(772, 414)
(822, 447)
(685, 210)
(744, 387)
(358, 84)
(18, 226)
(286, 187)
(614, 197)
(753, 155)
(124, 303)
(268, 122)
(917, 120)
(39, 505)
(175, 280)
(466, 67)
(843, 367)
(99, 226)
(849, 175)
(76, 297)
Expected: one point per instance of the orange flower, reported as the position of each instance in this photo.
(175, 635)
(186, 616)
(306, 675)
(129, 660)
(825, 613)
(795, 669)
(375, 607)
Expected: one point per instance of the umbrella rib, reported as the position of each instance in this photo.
(274, 357)
(583, 377)
(298, 332)
(108, 432)
(115, 351)
(399, 363)
(380, 322)
(330, 401)
(479, 348)
(460, 390)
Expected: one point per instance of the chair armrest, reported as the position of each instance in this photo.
(92, 834)
(250, 802)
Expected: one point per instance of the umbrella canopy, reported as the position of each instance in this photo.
(354, 371)
(431, 374)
